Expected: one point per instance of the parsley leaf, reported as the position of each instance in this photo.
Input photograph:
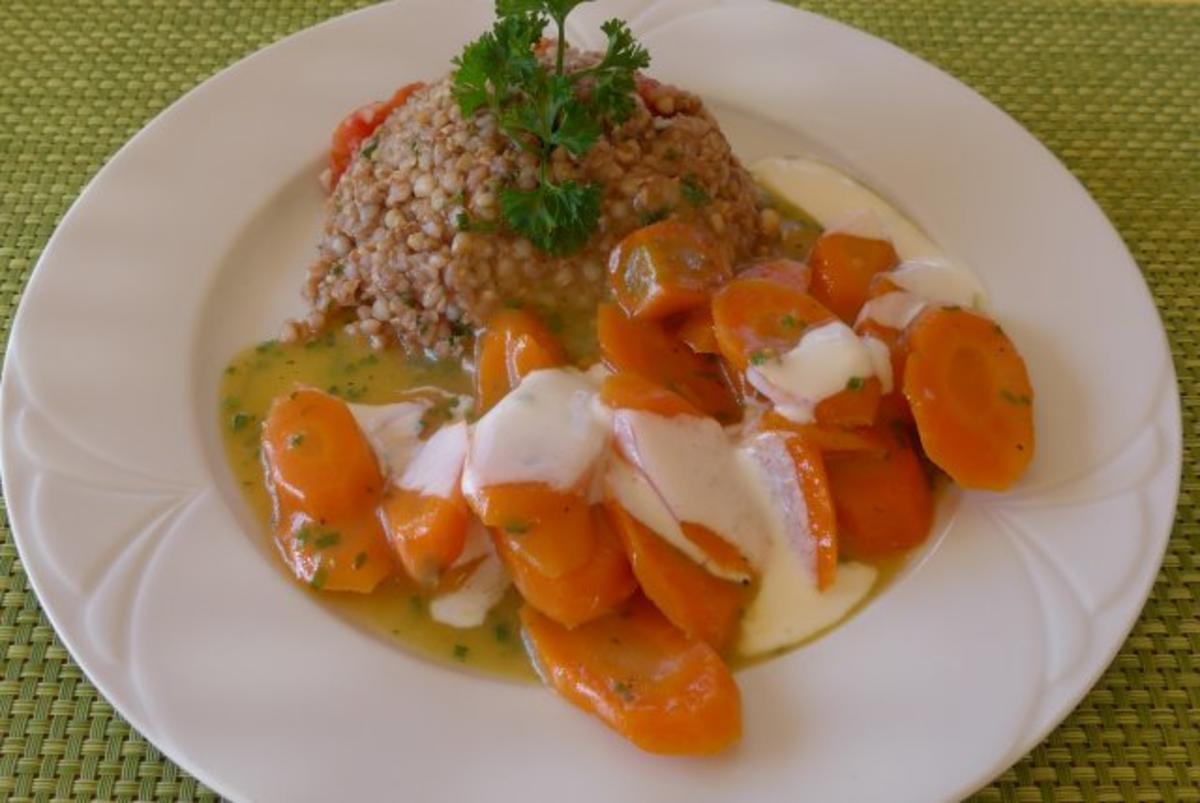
(541, 110)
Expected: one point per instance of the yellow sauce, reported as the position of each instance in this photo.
(397, 611)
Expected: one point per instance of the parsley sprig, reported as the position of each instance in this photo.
(541, 110)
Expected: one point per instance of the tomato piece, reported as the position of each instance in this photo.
(843, 266)
(358, 126)
(513, 345)
(665, 268)
(645, 349)
(637, 673)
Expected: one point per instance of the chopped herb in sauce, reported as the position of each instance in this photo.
(318, 579)
(516, 527)
(855, 383)
(1013, 398)
(693, 192)
(370, 148)
(461, 651)
(503, 634)
(623, 690)
(240, 421)
(759, 357)
(327, 540)
(295, 439)
(789, 321)
(360, 560)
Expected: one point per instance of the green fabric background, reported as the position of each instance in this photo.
(1113, 88)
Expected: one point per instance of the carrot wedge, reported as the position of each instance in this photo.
(637, 673)
(842, 268)
(883, 502)
(970, 397)
(697, 602)
(426, 532)
(664, 268)
(592, 589)
(645, 349)
(514, 344)
(551, 530)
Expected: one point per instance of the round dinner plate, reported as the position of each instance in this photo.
(192, 243)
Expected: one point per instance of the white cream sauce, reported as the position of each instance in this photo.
(921, 283)
(546, 430)
(825, 361)
(468, 605)
(436, 468)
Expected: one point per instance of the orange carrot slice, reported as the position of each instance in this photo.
(514, 344)
(971, 398)
(633, 392)
(592, 589)
(637, 673)
(822, 522)
(665, 268)
(695, 601)
(315, 453)
(426, 532)
(883, 502)
(756, 318)
(831, 439)
(643, 348)
(551, 530)
(722, 553)
(696, 330)
(842, 268)
(856, 406)
(349, 553)
(787, 272)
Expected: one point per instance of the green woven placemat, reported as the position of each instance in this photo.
(1113, 88)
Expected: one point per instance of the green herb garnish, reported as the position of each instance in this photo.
(295, 439)
(1013, 398)
(622, 690)
(318, 579)
(360, 560)
(759, 357)
(693, 192)
(461, 651)
(789, 322)
(541, 109)
(240, 421)
(502, 633)
(326, 540)
(516, 527)
(855, 383)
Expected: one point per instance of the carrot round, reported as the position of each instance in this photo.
(970, 397)
(514, 344)
(696, 329)
(633, 392)
(787, 272)
(883, 502)
(426, 532)
(637, 673)
(551, 530)
(349, 553)
(856, 406)
(314, 452)
(665, 268)
(842, 268)
(645, 349)
(758, 318)
(592, 589)
(697, 602)
(831, 439)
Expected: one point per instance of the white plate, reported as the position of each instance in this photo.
(192, 243)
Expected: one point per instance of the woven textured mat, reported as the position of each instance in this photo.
(1113, 88)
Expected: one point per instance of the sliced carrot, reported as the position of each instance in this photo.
(315, 453)
(697, 602)
(831, 439)
(514, 344)
(358, 126)
(842, 268)
(856, 406)
(349, 553)
(426, 532)
(883, 502)
(822, 522)
(757, 318)
(971, 398)
(550, 529)
(696, 330)
(787, 272)
(645, 349)
(633, 392)
(637, 673)
(719, 551)
(665, 268)
(591, 590)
